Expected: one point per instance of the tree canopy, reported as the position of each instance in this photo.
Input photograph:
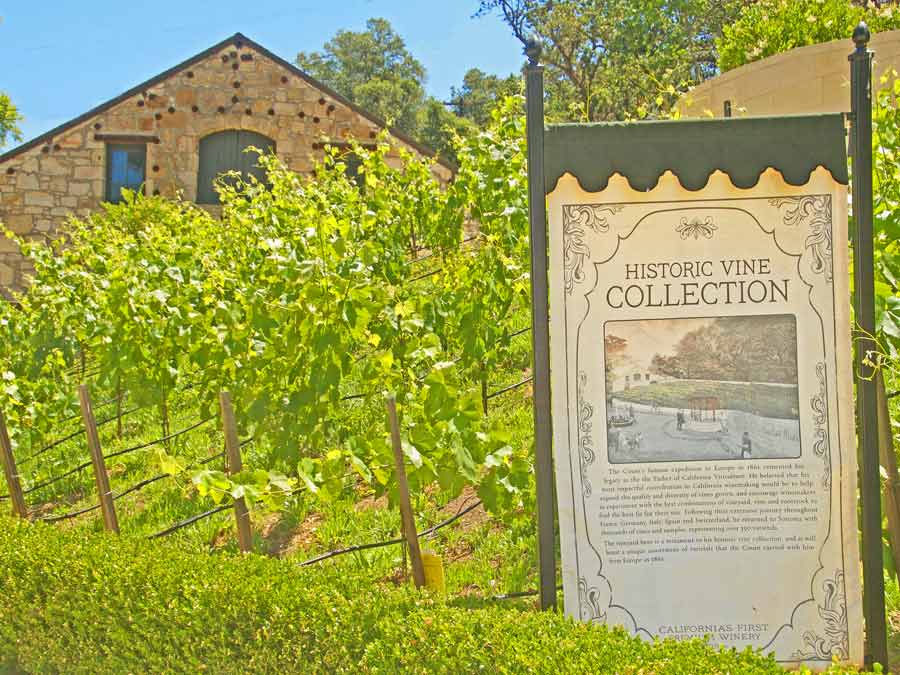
(748, 349)
(373, 69)
(770, 27)
(619, 59)
(9, 119)
(376, 71)
(480, 93)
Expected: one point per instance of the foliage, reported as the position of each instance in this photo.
(81, 603)
(480, 93)
(886, 192)
(744, 349)
(373, 69)
(438, 128)
(306, 302)
(770, 27)
(758, 399)
(619, 59)
(9, 119)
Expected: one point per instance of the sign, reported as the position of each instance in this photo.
(703, 411)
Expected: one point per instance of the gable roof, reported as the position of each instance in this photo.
(238, 40)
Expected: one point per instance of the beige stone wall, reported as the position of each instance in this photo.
(236, 87)
(809, 79)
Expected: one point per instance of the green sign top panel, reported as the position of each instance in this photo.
(742, 147)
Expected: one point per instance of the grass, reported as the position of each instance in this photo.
(761, 399)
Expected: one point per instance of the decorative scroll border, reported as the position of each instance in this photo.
(591, 602)
(819, 405)
(696, 228)
(833, 610)
(814, 211)
(585, 439)
(577, 217)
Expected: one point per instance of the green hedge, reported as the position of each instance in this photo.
(74, 602)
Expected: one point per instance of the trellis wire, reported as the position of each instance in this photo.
(509, 388)
(84, 465)
(391, 542)
(76, 434)
(134, 488)
(190, 521)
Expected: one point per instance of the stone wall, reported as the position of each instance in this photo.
(235, 86)
(813, 79)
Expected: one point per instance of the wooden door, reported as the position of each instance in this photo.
(225, 151)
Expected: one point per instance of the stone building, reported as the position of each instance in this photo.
(172, 135)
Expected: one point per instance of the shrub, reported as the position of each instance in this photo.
(73, 602)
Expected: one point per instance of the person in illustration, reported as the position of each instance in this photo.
(631, 411)
(679, 419)
(634, 441)
(746, 446)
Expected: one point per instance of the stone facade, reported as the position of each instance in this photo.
(812, 79)
(235, 85)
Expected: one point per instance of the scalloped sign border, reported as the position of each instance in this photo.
(743, 148)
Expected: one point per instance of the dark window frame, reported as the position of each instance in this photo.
(128, 148)
(352, 165)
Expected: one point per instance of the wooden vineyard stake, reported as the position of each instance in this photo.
(12, 475)
(406, 514)
(889, 464)
(110, 522)
(233, 453)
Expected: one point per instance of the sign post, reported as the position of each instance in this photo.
(540, 333)
(8, 460)
(864, 301)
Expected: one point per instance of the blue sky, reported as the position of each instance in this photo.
(62, 57)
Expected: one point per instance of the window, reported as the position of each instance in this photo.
(126, 167)
(224, 151)
(354, 164)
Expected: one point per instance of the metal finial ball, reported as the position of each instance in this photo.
(861, 35)
(533, 50)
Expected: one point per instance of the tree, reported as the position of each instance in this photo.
(437, 128)
(619, 59)
(744, 349)
(770, 27)
(615, 349)
(374, 70)
(9, 119)
(667, 366)
(480, 93)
